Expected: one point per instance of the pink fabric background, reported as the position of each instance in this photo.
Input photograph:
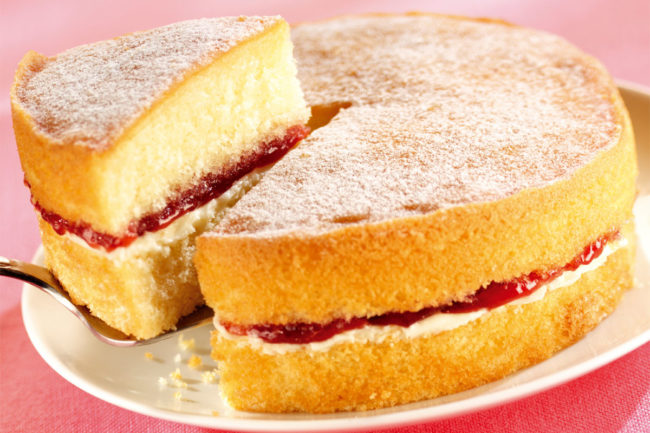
(33, 397)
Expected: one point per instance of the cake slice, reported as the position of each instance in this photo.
(133, 146)
(466, 213)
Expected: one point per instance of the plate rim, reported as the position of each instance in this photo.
(365, 420)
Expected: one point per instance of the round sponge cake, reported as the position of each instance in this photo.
(461, 152)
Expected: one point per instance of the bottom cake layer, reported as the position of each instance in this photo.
(370, 375)
(144, 288)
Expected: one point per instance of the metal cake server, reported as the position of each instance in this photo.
(42, 278)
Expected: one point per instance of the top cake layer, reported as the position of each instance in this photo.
(444, 112)
(463, 152)
(113, 133)
(89, 94)
(378, 163)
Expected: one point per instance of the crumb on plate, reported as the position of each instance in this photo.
(194, 362)
(185, 344)
(211, 376)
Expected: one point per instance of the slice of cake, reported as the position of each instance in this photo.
(466, 213)
(133, 146)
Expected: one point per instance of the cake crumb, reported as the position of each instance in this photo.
(211, 376)
(215, 413)
(162, 382)
(177, 379)
(195, 362)
(178, 395)
(148, 355)
(177, 358)
(185, 344)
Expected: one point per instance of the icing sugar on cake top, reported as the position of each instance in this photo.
(89, 94)
(429, 59)
(443, 112)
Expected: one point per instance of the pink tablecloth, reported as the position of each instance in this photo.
(34, 398)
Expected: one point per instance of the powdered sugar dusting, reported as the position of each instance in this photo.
(89, 94)
(444, 113)
(432, 59)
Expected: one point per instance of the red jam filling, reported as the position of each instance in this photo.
(494, 295)
(211, 186)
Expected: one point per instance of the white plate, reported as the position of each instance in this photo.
(126, 378)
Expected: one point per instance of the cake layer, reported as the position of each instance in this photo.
(209, 187)
(314, 240)
(523, 289)
(173, 103)
(460, 152)
(370, 375)
(144, 288)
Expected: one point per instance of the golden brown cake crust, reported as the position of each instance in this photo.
(374, 375)
(408, 210)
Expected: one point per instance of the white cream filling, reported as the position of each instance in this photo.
(194, 221)
(434, 324)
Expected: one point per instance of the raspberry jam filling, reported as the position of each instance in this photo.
(494, 295)
(209, 187)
